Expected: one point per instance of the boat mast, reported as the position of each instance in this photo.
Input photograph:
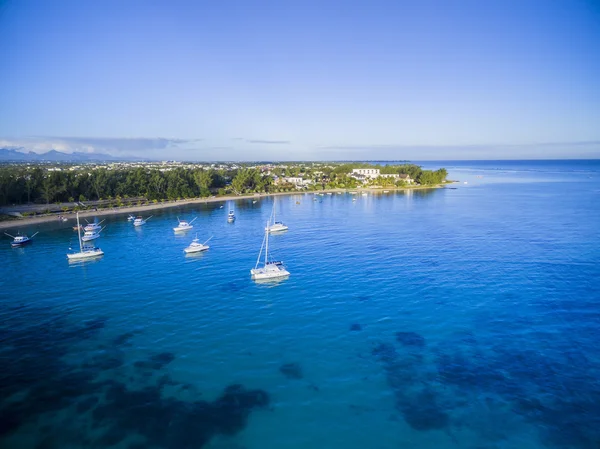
(260, 252)
(267, 246)
(79, 233)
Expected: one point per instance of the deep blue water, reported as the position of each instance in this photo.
(466, 317)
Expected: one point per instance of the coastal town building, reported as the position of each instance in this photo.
(366, 174)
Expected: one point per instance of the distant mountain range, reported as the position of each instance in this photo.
(11, 155)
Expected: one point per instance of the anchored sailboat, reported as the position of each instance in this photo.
(275, 226)
(269, 269)
(85, 252)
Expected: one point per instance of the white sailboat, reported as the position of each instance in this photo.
(139, 221)
(275, 226)
(184, 225)
(85, 252)
(196, 246)
(270, 269)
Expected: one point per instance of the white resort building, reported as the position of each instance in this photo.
(365, 174)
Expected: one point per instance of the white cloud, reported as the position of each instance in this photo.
(111, 145)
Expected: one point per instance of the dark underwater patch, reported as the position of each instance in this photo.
(156, 361)
(123, 339)
(171, 423)
(355, 327)
(46, 383)
(87, 404)
(419, 406)
(291, 370)
(410, 339)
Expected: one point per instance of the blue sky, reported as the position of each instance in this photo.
(247, 80)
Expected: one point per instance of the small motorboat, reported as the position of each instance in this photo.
(91, 235)
(20, 240)
(231, 216)
(130, 217)
(183, 225)
(139, 221)
(93, 226)
(196, 246)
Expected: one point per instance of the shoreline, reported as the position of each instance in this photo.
(30, 221)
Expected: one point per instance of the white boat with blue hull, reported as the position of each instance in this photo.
(20, 240)
(85, 252)
(269, 269)
(184, 225)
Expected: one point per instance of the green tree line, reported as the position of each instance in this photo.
(21, 185)
(24, 184)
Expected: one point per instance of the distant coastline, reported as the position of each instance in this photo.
(31, 221)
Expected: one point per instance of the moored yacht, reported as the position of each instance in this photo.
(93, 226)
(139, 221)
(269, 269)
(85, 252)
(183, 225)
(196, 246)
(231, 216)
(20, 240)
(275, 226)
(91, 235)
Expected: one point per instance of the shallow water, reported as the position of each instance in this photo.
(465, 317)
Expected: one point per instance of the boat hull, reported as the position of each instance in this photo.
(195, 249)
(182, 228)
(18, 244)
(85, 255)
(265, 273)
(88, 238)
(273, 229)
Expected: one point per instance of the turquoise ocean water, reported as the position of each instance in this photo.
(465, 317)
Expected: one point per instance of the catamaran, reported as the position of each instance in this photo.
(276, 226)
(183, 225)
(270, 269)
(20, 240)
(139, 221)
(93, 226)
(85, 252)
(196, 246)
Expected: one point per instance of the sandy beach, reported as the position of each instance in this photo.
(32, 221)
